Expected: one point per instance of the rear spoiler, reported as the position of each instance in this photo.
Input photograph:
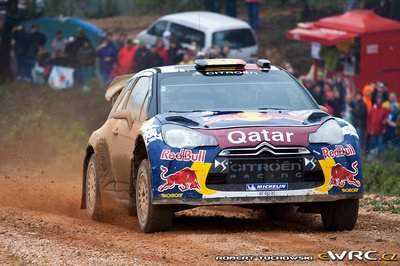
(117, 85)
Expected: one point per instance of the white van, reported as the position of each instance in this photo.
(207, 29)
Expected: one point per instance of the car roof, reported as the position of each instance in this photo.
(206, 20)
(183, 68)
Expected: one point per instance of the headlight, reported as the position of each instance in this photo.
(183, 137)
(330, 132)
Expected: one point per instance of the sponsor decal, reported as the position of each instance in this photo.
(266, 186)
(171, 195)
(222, 165)
(238, 136)
(339, 151)
(265, 167)
(185, 179)
(350, 190)
(309, 161)
(253, 116)
(183, 155)
(229, 72)
(340, 175)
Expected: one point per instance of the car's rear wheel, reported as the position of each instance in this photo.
(92, 191)
(151, 218)
(340, 215)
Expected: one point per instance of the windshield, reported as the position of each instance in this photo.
(255, 90)
(234, 39)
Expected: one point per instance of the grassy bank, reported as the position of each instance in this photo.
(40, 124)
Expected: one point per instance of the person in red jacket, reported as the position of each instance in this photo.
(126, 57)
(376, 126)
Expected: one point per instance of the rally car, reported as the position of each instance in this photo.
(221, 131)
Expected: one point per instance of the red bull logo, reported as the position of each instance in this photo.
(339, 151)
(183, 155)
(340, 175)
(253, 116)
(185, 179)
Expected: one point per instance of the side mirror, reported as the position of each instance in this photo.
(124, 114)
(323, 108)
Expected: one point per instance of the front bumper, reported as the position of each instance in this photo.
(259, 200)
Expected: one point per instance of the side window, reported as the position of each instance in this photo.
(121, 98)
(158, 28)
(121, 103)
(234, 39)
(185, 34)
(138, 97)
(143, 113)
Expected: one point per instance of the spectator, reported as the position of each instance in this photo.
(358, 110)
(318, 94)
(391, 99)
(20, 43)
(225, 52)
(59, 43)
(143, 57)
(5, 48)
(107, 58)
(186, 60)
(35, 40)
(391, 123)
(252, 11)
(119, 42)
(380, 91)
(175, 52)
(377, 118)
(86, 61)
(80, 39)
(166, 37)
(116, 71)
(156, 59)
(337, 102)
(367, 95)
(126, 57)
(162, 52)
(231, 8)
(70, 53)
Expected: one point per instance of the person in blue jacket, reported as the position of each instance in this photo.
(107, 54)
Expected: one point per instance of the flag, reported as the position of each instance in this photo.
(61, 77)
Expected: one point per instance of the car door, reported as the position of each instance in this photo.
(126, 130)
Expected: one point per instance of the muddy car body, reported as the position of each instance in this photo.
(221, 132)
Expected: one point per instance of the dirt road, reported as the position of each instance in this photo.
(41, 224)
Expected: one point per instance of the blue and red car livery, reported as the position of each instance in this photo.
(226, 132)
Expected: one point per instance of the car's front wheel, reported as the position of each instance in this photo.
(152, 218)
(92, 190)
(340, 215)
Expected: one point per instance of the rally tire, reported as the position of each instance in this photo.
(92, 191)
(340, 215)
(151, 218)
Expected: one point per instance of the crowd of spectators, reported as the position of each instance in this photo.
(112, 57)
(373, 111)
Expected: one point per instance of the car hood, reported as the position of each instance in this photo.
(224, 119)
